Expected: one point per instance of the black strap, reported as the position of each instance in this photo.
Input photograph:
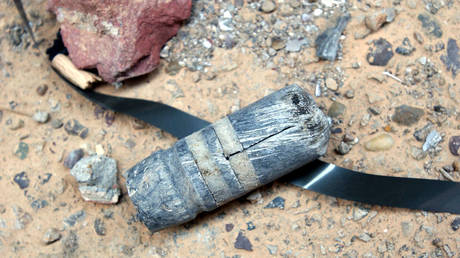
(402, 192)
(318, 176)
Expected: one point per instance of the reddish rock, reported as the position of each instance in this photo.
(121, 38)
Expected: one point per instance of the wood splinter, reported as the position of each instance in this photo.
(66, 68)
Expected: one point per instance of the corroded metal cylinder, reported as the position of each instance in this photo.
(245, 150)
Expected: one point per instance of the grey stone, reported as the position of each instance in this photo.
(70, 244)
(365, 237)
(56, 123)
(97, 179)
(421, 134)
(278, 202)
(380, 53)
(23, 218)
(375, 20)
(22, 150)
(359, 213)
(417, 153)
(406, 228)
(452, 59)
(73, 127)
(16, 124)
(455, 225)
(38, 204)
(343, 148)
(99, 227)
(42, 89)
(327, 43)
(407, 115)
(349, 94)
(272, 249)
(432, 140)
(73, 157)
(41, 117)
(268, 6)
(74, 218)
(294, 45)
(430, 25)
(454, 145)
(51, 235)
(406, 48)
(336, 109)
(278, 43)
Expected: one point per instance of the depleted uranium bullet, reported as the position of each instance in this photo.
(240, 152)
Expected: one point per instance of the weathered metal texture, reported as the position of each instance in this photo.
(223, 161)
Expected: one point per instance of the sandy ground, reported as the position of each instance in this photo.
(319, 226)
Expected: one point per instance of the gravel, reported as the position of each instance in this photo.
(97, 179)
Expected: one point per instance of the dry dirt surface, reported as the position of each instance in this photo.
(229, 54)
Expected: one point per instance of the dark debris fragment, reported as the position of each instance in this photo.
(454, 145)
(99, 227)
(380, 53)
(278, 202)
(22, 180)
(242, 242)
(73, 157)
(327, 43)
(452, 59)
(455, 225)
(229, 227)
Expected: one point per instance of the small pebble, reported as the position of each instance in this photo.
(407, 115)
(73, 157)
(70, 244)
(229, 227)
(73, 127)
(343, 148)
(278, 43)
(349, 94)
(21, 150)
(16, 124)
(242, 242)
(57, 123)
(336, 109)
(41, 117)
(51, 235)
(99, 227)
(268, 6)
(421, 134)
(97, 179)
(250, 225)
(418, 37)
(454, 145)
(272, 249)
(432, 140)
(455, 225)
(380, 53)
(380, 143)
(430, 25)
(42, 89)
(332, 84)
(377, 19)
(417, 153)
(278, 202)
(359, 213)
(75, 217)
(456, 165)
(22, 180)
